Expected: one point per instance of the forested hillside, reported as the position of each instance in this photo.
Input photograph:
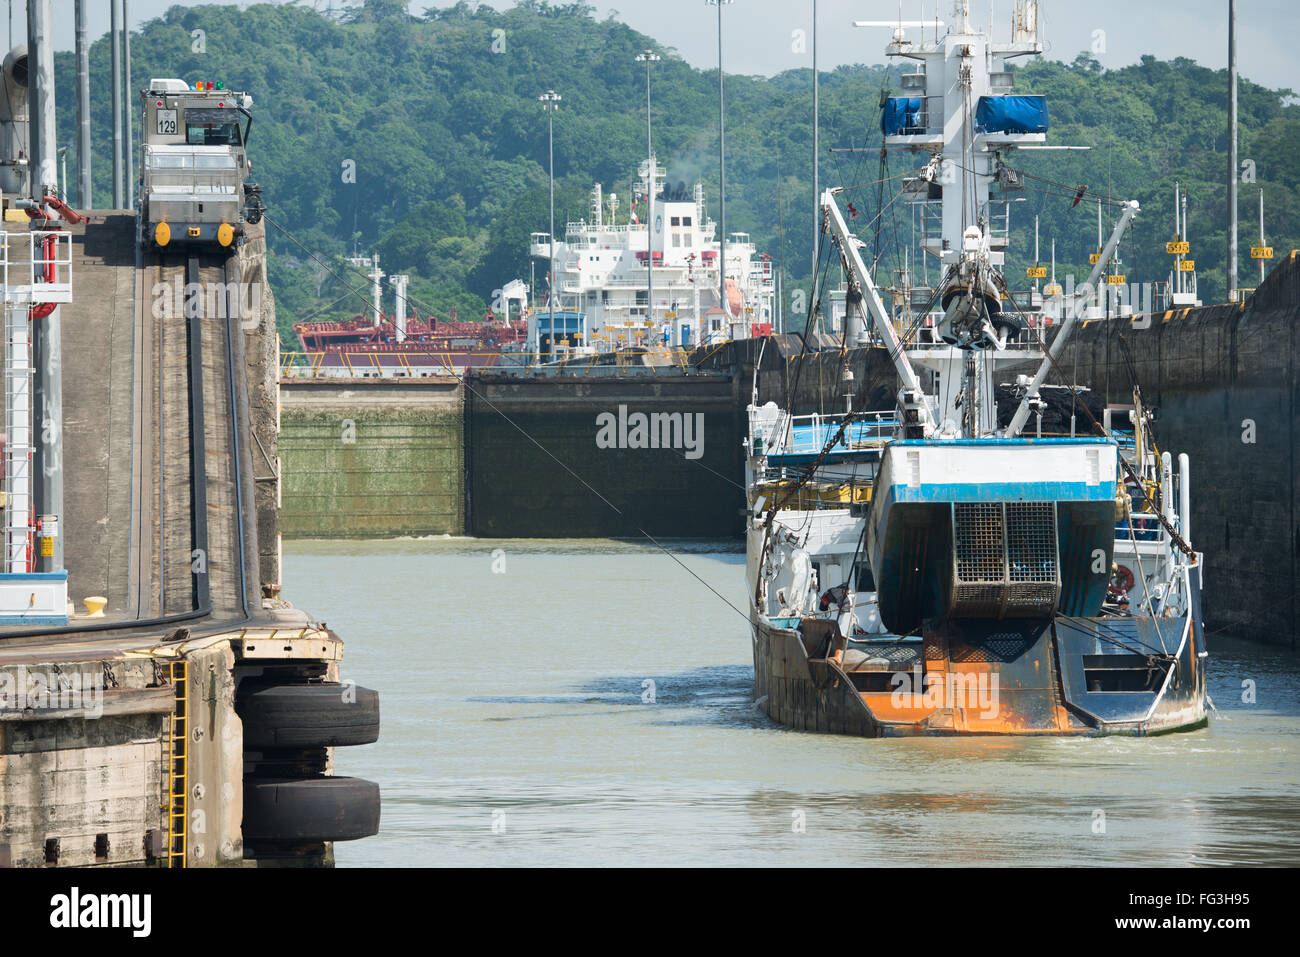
(422, 139)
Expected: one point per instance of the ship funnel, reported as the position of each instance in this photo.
(13, 122)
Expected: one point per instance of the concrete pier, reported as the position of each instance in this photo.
(122, 739)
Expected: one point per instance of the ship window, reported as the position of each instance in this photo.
(677, 220)
(686, 220)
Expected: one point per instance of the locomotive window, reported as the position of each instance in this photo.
(212, 134)
(208, 127)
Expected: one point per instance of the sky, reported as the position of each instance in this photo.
(760, 35)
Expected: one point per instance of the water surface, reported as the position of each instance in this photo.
(591, 703)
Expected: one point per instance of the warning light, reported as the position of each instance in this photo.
(221, 85)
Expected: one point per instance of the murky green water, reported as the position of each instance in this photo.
(515, 732)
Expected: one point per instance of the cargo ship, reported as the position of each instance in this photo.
(397, 344)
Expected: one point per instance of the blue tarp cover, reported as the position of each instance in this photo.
(901, 115)
(1011, 114)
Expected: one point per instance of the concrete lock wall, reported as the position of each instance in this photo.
(93, 781)
(517, 489)
(1224, 380)
(262, 354)
(372, 459)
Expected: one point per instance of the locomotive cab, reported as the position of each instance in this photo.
(194, 186)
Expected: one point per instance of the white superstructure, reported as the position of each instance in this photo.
(602, 277)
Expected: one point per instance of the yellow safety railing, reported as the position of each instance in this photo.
(178, 769)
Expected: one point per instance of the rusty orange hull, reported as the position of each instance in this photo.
(1064, 676)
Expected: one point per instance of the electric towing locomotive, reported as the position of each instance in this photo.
(194, 168)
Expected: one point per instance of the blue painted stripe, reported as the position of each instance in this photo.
(901, 493)
(33, 620)
(59, 576)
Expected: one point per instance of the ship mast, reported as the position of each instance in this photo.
(957, 109)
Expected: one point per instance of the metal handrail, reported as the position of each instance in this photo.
(312, 364)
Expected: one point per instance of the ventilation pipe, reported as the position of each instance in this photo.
(14, 124)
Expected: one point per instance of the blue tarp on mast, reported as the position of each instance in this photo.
(901, 115)
(1011, 114)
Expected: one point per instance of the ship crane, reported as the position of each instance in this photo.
(863, 289)
(1071, 317)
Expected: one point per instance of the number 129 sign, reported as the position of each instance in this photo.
(166, 122)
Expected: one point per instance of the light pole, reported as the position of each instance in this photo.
(722, 175)
(817, 199)
(115, 35)
(1233, 171)
(550, 101)
(648, 57)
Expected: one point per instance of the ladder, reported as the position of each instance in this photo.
(178, 769)
(18, 372)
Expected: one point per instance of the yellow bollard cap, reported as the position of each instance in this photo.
(225, 234)
(162, 234)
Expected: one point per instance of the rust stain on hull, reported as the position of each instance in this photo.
(952, 688)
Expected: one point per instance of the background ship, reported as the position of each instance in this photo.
(602, 298)
(398, 344)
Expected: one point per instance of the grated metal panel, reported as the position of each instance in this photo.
(1000, 647)
(978, 532)
(1031, 542)
(1005, 560)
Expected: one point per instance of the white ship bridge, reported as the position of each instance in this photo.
(603, 278)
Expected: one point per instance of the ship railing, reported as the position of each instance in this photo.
(929, 214)
(811, 433)
(789, 488)
(582, 226)
(1140, 526)
(36, 266)
(417, 364)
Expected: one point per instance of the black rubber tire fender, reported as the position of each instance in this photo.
(327, 715)
(310, 809)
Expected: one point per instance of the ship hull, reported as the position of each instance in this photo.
(1065, 676)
